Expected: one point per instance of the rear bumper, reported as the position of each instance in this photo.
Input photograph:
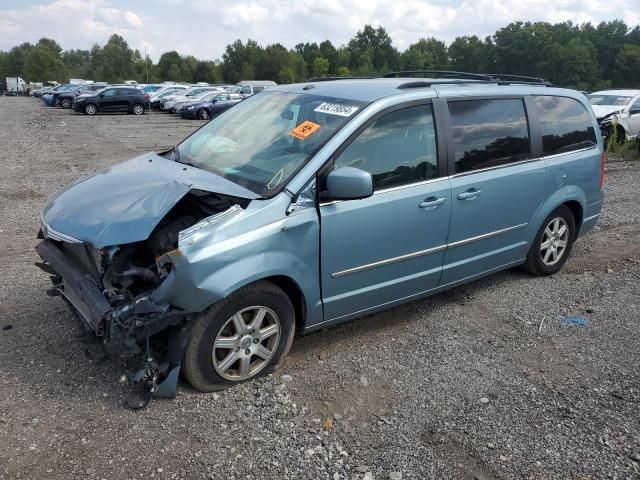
(76, 286)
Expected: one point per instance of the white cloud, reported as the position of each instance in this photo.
(247, 13)
(203, 28)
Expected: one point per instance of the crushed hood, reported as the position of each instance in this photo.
(124, 203)
(604, 110)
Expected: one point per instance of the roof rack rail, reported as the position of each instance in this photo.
(500, 78)
(439, 74)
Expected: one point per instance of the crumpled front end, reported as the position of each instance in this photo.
(116, 291)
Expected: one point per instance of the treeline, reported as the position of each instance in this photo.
(584, 56)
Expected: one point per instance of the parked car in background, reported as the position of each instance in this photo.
(65, 99)
(209, 106)
(66, 88)
(192, 93)
(305, 207)
(151, 88)
(123, 99)
(201, 97)
(247, 88)
(619, 106)
(160, 96)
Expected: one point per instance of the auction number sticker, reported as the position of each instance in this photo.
(304, 130)
(336, 109)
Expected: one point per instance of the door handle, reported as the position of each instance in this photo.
(430, 203)
(470, 194)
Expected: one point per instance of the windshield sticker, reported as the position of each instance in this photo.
(336, 109)
(304, 130)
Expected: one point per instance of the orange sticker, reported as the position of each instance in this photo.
(302, 131)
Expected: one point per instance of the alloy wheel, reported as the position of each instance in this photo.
(554, 241)
(246, 343)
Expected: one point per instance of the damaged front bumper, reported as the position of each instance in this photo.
(123, 326)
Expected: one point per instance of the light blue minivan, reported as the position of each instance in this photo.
(311, 204)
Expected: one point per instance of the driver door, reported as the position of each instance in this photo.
(390, 246)
(108, 100)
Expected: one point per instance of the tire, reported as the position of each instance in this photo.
(218, 323)
(65, 103)
(137, 109)
(90, 109)
(203, 114)
(540, 260)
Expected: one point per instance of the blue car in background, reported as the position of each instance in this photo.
(209, 106)
(50, 99)
(311, 204)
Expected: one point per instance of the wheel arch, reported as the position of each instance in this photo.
(577, 211)
(570, 196)
(291, 288)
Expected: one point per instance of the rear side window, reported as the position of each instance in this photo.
(397, 149)
(565, 124)
(488, 133)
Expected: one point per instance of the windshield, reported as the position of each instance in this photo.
(613, 100)
(262, 141)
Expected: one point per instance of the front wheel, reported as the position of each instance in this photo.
(552, 245)
(90, 109)
(137, 109)
(66, 103)
(203, 114)
(240, 338)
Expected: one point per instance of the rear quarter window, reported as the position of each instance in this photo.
(488, 133)
(565, 124)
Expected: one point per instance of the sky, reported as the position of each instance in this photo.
(204, 27)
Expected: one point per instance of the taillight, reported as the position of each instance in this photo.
(603, 161)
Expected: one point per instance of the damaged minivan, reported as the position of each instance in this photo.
(311, 204)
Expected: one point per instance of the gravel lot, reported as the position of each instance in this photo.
(481, 382)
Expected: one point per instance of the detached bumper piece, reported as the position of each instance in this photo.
(78, 288)
(124, 328)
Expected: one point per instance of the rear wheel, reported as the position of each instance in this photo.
(66, 103)
(242, 337)
(552, 245)
(90, 109)
(138, 109)
(203, 114)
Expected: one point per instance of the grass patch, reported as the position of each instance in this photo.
(621, 147)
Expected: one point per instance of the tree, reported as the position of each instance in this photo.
(627, 66)
(372, 51)
(239, 61)
(328, 51)
(426, 53)
(169, 67)
(43, 64)
(470, 54)
(116, 62)
(320, 67)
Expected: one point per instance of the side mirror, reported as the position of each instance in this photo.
(634, 110)
(348, 183)
(102, 95)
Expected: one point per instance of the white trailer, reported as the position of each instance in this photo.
(16, 84)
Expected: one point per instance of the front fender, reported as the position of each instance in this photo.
(215, 267)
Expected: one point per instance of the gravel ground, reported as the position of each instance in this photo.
(481, 382)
